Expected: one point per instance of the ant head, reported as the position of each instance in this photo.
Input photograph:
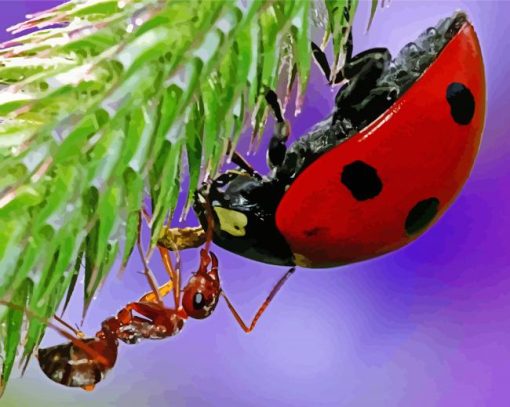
(202, 292)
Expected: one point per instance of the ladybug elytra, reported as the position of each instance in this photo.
(372, 176)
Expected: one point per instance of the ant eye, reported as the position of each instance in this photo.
(198, 301)
(200, 297)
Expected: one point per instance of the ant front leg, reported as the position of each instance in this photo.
(277, 145)
(262, 308)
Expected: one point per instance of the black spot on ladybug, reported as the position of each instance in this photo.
(362, 180)
(421, 215)
(462, 102)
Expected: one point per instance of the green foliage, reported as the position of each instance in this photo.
(100, 105)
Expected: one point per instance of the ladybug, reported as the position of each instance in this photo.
(373, 176)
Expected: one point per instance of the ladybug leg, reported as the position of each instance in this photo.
(362, 73)
(240, 161)
(377, 101)
(375, 58)
(342, 75)
(277, 145)
(322, 60)
(262, 308)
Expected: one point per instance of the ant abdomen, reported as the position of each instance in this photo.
(84, 362)
(81, 363)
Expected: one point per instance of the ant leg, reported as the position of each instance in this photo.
(151, 279)
(163, 291)
(277, 145)
(157, 293)
(173, 273)
(262, 308)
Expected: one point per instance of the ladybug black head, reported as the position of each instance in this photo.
(244, 208)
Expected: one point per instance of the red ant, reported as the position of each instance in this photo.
(84, 362)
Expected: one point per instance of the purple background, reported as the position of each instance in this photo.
(427, 325)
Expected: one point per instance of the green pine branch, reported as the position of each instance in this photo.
(98, 107)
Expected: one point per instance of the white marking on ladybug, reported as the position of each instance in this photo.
(232, 222)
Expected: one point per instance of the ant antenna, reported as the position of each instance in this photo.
(77, 331)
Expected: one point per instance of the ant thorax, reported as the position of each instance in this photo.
(167, 323)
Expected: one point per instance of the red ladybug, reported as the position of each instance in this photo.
(372, 177)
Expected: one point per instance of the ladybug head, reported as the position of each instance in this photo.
(243, 210)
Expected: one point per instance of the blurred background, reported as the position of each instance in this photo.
(426, 325)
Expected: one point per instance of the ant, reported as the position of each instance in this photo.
(83, 362)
